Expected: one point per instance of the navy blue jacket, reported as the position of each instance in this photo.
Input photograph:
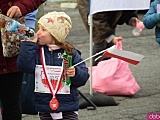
(29, 57)
(152, 19)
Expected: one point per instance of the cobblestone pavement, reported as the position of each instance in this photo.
(147, 73)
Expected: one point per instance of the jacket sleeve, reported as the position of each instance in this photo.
(151, 18)
(82, 74)
(27, 6)
(30, 19)
(26, 60)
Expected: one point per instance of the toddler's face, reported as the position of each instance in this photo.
(44, 36)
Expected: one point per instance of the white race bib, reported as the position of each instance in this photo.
(54, 74)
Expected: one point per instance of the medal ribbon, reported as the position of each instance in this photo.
(54, 104)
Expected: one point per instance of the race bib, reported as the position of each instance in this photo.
(54, 74)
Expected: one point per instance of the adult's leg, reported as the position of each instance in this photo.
(101, 28)
(83, 7)
(99, 47)
(10, 87)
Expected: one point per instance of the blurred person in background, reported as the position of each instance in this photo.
(104, 26)
(151, 19)
(10, 75)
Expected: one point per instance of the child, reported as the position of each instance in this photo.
(44, 54)
(152, 19)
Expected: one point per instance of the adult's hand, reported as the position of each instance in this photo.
(134, 21)
(14, 11)
(116, 39)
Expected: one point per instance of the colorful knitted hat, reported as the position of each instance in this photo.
(57, 23)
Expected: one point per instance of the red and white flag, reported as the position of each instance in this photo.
(128, 56)
(113, 5)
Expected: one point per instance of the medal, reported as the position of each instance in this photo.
(54, 104)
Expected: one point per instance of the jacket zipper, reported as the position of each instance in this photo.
(51, 56)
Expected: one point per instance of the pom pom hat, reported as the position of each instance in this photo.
(57, 23)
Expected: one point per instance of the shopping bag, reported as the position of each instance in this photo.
(27, 95)
(114, 77)
(10, 41)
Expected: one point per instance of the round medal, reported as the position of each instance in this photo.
(54, 104)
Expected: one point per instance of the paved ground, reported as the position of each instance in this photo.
(147, 73)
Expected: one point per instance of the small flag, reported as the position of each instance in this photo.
(130, 57)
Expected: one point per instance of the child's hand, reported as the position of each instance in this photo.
(71, 71)
(116, 39)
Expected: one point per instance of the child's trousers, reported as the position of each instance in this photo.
(66, 116)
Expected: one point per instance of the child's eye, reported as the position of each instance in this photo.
(44, 29)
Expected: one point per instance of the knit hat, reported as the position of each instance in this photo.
(57, 23)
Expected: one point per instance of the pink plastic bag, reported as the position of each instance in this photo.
(114, 77)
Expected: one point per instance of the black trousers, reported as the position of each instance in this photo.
(66, 116)
(99, 47)
(10, 88)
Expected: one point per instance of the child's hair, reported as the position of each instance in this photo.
(68, 47)
(59, 25)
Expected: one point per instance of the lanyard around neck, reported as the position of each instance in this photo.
(42, 57)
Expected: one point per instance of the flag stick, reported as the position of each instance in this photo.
(90, 57)
(91, 48)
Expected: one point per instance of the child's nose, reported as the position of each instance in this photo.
(38, 32)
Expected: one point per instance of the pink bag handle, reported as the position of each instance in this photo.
(119, 45)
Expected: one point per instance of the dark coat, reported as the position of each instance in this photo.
(27, 60)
